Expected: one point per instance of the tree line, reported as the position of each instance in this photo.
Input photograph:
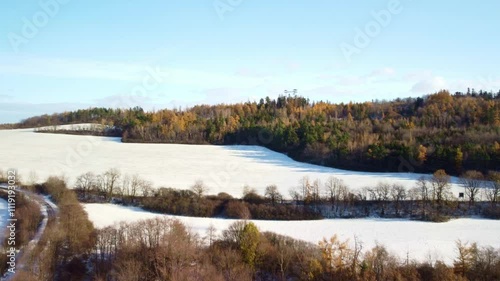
(112, 186)
(164, 249)
(455, 132)
(430, 199)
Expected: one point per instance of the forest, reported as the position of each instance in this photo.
(454, 132)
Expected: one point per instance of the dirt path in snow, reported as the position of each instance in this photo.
(49, 211)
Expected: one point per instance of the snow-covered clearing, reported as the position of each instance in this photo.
(222, 168)
(82, 126)
(419, 239)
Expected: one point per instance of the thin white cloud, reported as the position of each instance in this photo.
(249, 72)
(429, 85)
(417, 76)
(377, 75)
(351, 80)
(382, 72)
(123, 101)
(131, 72)
(5, 97)
(70, 68)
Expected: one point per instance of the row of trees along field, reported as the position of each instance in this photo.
(430, 199)
(440, 131)
(165, 249)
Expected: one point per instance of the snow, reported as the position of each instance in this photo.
(43, 224)
(82, 126)
(48, 201)
(222, 168)
(420, 240)
(228, 169)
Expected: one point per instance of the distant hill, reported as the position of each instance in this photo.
(455, 132)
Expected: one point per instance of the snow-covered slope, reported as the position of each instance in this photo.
(419, 239)
(222, 168)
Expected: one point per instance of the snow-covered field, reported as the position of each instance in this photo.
(420, 240)
(222, 168)
(228, 169)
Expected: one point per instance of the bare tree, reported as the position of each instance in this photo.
(333, 190)
(346, 196)
(135, 184)
(314, 191)
(295, 194)
(126, 185)
(472, 181)
(273, 194)
(398, 194)
(381, 194)
(440, 183)
(305, 188)
(413, 196)
(199, 188)
(493, 191)
(86, 183)
(109, 181)
(211, 234)
(106, 243)
(284, 255)
(145, 187)
(380, 263)
(233, 233)
(363, 193)
(424, 191)
(356, 256)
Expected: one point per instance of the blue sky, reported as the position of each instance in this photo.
(58, 55)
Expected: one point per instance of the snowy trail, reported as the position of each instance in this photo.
(48, 210)
(419, 239)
